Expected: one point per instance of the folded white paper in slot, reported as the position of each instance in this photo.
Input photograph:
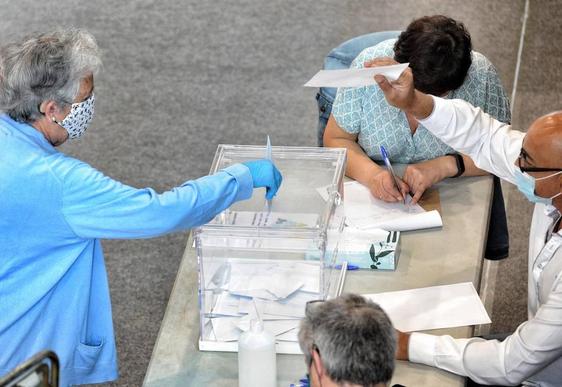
(355, 77)
(272, 281)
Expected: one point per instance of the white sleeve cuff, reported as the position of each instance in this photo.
(422, 348)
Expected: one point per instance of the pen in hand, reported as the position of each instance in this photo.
(391, 170)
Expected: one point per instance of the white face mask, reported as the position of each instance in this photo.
(80, 116)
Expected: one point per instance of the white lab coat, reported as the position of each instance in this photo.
(533, 354)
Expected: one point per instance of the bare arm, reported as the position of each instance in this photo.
(493, 144)
(359, 166)
(423, 175)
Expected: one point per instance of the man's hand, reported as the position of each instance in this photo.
(421, 176)
(402, 347)
(382, 187)
(402, 94)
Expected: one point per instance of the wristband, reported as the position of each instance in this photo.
(460, 163)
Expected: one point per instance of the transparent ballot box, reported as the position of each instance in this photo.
(260, 260)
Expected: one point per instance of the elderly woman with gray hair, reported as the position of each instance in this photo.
(347, 341)
(53, 284)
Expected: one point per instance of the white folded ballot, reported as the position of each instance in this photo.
(276, 289)
(355, 77)
(363, 211)
(434, 307)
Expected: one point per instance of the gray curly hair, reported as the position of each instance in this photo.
(46, 66)
(354, 338)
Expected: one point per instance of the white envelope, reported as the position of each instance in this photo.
(434, 307)
(355, 77)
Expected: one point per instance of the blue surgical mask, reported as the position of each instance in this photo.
(526, 184)
(80, 116)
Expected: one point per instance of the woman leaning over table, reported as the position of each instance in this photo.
(54, 210)
(439, 51)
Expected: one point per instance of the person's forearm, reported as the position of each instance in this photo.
(467, 129)
(449, 167)
(403, 341)
(359, 166)
(470, 169)
(422, 105)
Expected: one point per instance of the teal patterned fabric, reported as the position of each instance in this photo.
(365, 112)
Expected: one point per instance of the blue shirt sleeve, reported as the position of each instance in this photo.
(96, 206)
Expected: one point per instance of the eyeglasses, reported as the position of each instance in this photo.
(523, 156)
(312, 304)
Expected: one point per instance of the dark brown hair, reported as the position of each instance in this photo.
(439, 51)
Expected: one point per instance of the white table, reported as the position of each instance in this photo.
(429, 257)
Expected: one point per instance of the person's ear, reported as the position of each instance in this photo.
(318, 363)
(49, 108)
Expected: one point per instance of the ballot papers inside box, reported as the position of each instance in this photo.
(254, 258)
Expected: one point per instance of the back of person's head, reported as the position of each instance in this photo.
(439, 51)
(45, 66)
(354, 339)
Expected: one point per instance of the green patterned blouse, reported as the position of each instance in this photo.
(365, 112)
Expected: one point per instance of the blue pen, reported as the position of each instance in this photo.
(391, 170)
(349, 267)
(303, 382)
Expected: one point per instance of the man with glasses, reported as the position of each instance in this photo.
(347, 341)
(533, 161)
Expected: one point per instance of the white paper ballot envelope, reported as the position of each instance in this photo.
(434, 307)
(355, 77)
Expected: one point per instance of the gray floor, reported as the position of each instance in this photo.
(181, 76)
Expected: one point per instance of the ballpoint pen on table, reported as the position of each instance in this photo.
(349, 267)
(391, 170)
(303, 382)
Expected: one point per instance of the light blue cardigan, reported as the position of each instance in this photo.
(53, 284)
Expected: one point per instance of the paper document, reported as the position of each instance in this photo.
(363, 211)
(275, 327)
(292, 335)
(271, 219)
(355, 77)
(434, 307)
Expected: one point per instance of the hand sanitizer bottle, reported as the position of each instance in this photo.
(256, 357)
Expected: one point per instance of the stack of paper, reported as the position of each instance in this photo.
(363, 211)
(276, 290)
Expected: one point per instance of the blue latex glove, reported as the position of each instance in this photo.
(265, 174)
